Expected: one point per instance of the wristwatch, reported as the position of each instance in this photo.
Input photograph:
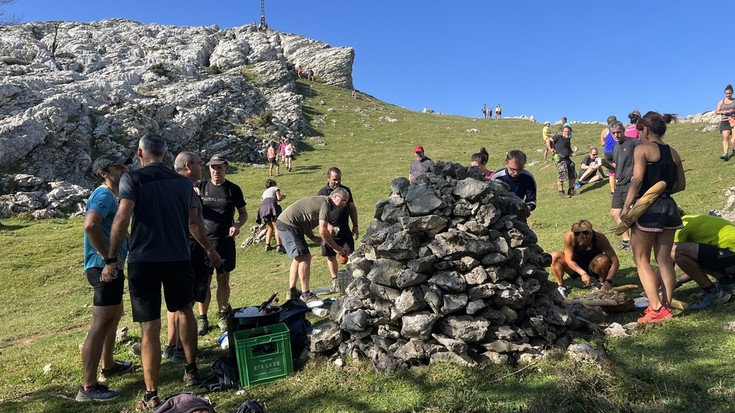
(607, 280)
(111, 260)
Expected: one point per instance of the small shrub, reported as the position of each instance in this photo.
(212, 70)
(160, 70)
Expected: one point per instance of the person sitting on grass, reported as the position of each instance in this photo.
(585, 251)
(706, 245)
(590, 169)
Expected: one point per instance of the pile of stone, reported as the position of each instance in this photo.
(448, 272)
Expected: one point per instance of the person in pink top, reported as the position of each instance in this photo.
(631, 131)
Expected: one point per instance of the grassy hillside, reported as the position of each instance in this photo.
(682, 365)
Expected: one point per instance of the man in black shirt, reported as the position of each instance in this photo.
(565, 168)
(339, 218)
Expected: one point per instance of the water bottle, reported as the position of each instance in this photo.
(223, 341)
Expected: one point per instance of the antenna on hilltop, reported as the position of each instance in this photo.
(263, 24)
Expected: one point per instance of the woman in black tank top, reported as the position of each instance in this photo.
(655, 161)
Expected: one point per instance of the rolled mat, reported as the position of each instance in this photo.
(641, 205)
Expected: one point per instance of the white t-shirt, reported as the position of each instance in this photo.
(269, 193)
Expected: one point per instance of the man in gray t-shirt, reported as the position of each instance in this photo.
(623, 164)
(160, 203)
(298, 222)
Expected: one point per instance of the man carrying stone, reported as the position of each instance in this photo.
(565, 167)
(297, 222)
(339, 218)
(623, 165)
(162, 206)
(108, 306)
(421, 165)
(706, 245)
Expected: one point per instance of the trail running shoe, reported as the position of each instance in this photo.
(709, 300)
(294, 293)
(624, 246)
(97, 393)
(562, 291)
(151, 404)
(168, 351)
(728, 285)
(222, 322)
(335, 287)
(577, 185)
(202, 325)
(308, 296)
(120, 367)
(656, 316)
(178, 356)
(192, 378)
(725, 156)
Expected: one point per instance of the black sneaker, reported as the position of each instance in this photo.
(571, 192)
(725, 156)
(97, 393)
(624, 246)
(294, 293)
(120, 367)
(192, 378)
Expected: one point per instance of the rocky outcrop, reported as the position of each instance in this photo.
(72, 91)
(449, 272)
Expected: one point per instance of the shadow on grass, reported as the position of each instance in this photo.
(10, 228)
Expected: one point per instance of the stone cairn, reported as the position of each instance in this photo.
(448, 272)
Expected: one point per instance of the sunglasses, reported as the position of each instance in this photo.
(578, 233)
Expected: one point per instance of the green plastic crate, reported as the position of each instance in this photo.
(263, 354)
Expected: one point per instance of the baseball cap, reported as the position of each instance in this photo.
(106, 161)
(217, 159)
(418, 148)
(547, 123)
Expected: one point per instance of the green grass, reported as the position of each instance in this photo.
(682, 365)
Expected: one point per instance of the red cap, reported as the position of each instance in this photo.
(418, 148)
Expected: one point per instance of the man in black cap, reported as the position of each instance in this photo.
(108, 307)
(220, 199)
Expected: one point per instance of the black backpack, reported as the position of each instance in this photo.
(293, 315)
(225, 375)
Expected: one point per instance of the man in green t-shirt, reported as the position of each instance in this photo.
(298, 222)
(706, 245)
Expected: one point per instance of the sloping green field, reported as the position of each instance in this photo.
(683, 365)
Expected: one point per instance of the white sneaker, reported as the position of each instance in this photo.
(562, 291)
(334, 288)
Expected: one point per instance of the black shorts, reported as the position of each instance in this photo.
(273, 161)
(200, 267)
(105, 294)
(661, 215)
(145, 280)
(720, 260)
(342, 241)
(225, 247)
(618, 198)
(292, 239)
(609, 158)
(725, 125)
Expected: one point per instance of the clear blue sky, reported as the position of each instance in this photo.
(580, 59)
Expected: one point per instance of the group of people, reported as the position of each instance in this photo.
(304, 74)
(487, 113)
(183, 231)
(285, 151)
(639, 160)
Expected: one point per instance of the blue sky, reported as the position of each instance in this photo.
(581, 59)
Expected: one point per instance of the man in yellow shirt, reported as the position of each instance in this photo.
(706, 245)
(547, 134)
